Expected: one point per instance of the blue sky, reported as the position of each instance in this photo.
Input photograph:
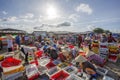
(60, 15)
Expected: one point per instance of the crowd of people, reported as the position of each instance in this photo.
(73, 39)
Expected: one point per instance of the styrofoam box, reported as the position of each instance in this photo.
(53, 70)
(84, 76)
(103, 49)
(56, 62)
(104, 44)
(104, 56)
(102, 71)
(43, 61)
(63, 65)
(107, 78)
(74, 69)
(31, 70)
(42, 69)
(12, 76)
(74, 77)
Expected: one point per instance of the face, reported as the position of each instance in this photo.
(81, 65)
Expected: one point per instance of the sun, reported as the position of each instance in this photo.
(51, 12)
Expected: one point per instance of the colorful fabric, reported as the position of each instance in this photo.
(96, 58)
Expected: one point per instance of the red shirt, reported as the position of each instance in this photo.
(111, 39)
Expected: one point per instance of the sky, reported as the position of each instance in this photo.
(60, 15)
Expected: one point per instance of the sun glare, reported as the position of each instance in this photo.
(51, 12)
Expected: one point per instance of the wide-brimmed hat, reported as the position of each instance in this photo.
(80, 59)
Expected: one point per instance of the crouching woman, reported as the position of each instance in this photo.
(89, 69)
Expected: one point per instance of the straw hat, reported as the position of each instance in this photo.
(89, 53)
(65, 52)
(80, 59)
(9, 37)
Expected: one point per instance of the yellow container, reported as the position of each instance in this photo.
(95, 50)
(14, 69)
(1, 57)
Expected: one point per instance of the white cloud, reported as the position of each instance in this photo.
(84, 8)
(90, 27)
(27, 16)
(74, 17)
(64, 24)
(12, 19)
(4, 12)
(106, 20)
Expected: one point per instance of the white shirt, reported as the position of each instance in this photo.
(9, 43)
(26, 38)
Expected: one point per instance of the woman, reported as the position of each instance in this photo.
(9, 43)
(89, 69)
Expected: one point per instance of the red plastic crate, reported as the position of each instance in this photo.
(113, 58)
(61, 75)
(50, 65)
(34, 77)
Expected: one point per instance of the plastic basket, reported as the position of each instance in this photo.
(61, 75)
(102, 71)
(63, 65)
(56, 62)
(112, 58)
(71, 69)
(42, 69)
(43, 61)
(53, 70)
(50, 65)
(74, 77)
(32, 72)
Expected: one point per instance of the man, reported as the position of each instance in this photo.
(111, 39)
(17, 40)
(104, 38)
(1, 46)
(79, 40)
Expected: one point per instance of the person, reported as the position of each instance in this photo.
(40, 38)
(89, 69)
(9, 43)
(17, 40)
(111, 38)
(1, 70)
(79, 40)
(61, 56)
(1, 45)
(26, 39)
(26, 55)
(104, 38)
